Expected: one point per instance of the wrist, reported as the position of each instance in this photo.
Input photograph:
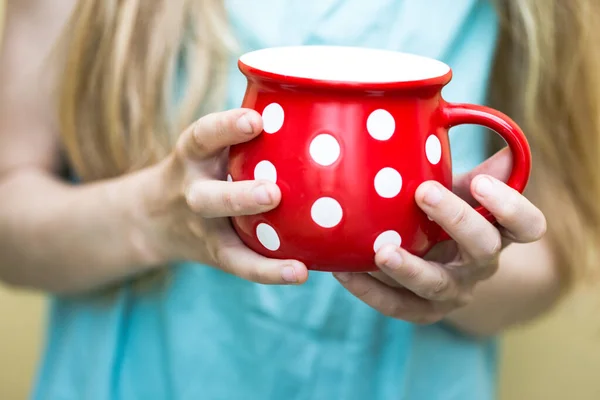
(464, 322)
(146, 197)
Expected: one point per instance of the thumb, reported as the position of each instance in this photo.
(215, 132)
(498, 166)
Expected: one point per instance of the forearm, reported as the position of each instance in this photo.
(526, 284)
(64, 238)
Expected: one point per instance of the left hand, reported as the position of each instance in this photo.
(426, 290)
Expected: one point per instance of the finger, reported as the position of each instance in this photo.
(214, 132)
(391, 302)
(522, 221)
(426, 279)
(384, 278)
(479, 238)
(212, 199)
(498, 166)
(239, 260)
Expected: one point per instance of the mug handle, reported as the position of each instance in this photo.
(454, 114)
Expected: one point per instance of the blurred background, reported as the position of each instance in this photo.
(555, 358)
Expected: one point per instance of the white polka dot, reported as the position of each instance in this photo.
(388, 183)
(433, 149)
(268, 237)
(324, 149)
(229, 178)
(273, 117)
(326, 212)
(265, 170)
(381, 125)
(387, 237)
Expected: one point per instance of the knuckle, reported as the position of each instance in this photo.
(219, 255)
(460, 217)
(412, 273)
(510, 208)
(181, 146)
(221, 125)
(199, 141)
(392, 309)
(492, 250)
(540, 228)
(496, 247)
(229, 202)
(438, 289)
(259, 274)
(192, 198)
(364, 293)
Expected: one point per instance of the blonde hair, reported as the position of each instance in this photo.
(547, 76)
(117, 99)
(122, 105)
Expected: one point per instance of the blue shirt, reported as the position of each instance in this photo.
(209, 335)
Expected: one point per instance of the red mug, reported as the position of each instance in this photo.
(349, 135)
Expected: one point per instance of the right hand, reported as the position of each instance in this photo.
(195, 202)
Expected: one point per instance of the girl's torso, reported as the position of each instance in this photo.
(210, 335)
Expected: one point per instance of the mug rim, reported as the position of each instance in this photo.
(259, 73)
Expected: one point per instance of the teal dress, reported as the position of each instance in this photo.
(214, 336)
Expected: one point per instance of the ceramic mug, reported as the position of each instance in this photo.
(349, 135)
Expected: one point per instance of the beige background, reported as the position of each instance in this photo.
(556, 358)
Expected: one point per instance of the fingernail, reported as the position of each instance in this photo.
(244, 124)
(484, 186)
(342, 276)
(433, 196)
(288, 274)
(394, 260)
(261, 195)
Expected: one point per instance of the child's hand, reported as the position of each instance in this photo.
(191, 212)
(425, 290)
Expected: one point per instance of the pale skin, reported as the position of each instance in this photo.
(70, 239)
